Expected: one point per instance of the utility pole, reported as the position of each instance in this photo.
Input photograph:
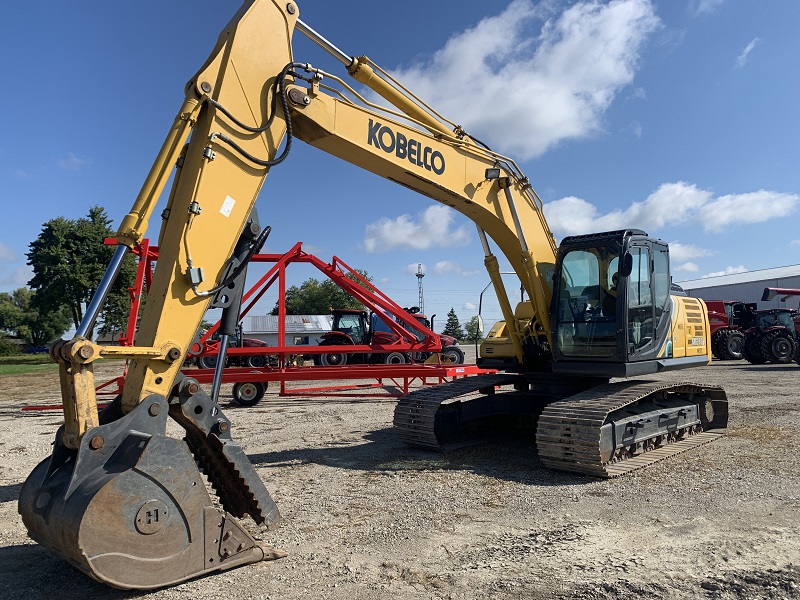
(420, 275)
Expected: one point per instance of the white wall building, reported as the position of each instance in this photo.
(747, 286)
(301, 330)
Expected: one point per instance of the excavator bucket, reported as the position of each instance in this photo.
(130, 507)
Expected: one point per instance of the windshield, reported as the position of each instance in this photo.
(378, 324)
(587, 302)
(783, 319)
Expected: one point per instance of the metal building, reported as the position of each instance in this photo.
(747, 286)
(301, 330)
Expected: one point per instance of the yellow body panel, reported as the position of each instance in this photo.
(689, 329)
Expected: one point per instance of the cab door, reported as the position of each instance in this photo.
(647, 300)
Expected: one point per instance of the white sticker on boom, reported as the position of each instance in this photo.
(227, 206)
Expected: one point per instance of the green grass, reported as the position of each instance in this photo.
(22, 364)
(6, 370)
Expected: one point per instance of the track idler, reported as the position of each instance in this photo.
(130, 507)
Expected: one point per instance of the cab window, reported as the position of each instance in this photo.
(587, 303)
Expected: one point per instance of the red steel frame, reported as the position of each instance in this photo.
(358, 287)
(401, 377)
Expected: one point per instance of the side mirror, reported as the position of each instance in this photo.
(480, 324)
(626, 265)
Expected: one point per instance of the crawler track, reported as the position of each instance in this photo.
(570, 425)
(416, 413)
(568, 435)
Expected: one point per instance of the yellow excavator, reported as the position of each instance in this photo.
(126, 503)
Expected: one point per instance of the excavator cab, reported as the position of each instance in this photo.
(612, 313)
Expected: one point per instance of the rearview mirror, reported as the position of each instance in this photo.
(480, 325)
(626, 265)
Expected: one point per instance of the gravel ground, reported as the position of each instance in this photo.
(365, 517)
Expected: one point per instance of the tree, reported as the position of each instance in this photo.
(7, 347)
(69, 259)
(453, 327)
(34, 326)
(316, 297)
(474, 335)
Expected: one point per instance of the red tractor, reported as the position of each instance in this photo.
(729, 319)
(207, 357)
(773, 338)
(352, 327)
(791, 322)
(451, 353)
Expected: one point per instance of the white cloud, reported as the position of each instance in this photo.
(73, 162)
(707, 6)
(446, 266)
(670, 204)
(635, 128)
(433, 228)
(15, 277)
(741, 60)
(468, 306)
(544, 77)
(688, 267)
(312, 249)
(754, 207)
(795, 243)
(680, 252)
(638, 94)
(728, 271)
(6, 253)
(412, 268)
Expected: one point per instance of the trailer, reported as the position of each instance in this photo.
(410, 338)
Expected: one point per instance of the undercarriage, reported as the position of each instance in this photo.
(583, 425)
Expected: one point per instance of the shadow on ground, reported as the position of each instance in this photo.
(29, 571)
(511, 460)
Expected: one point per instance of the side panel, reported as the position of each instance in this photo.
(691, 330)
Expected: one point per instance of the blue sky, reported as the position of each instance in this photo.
(675, 116)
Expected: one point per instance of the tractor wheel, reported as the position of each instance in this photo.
(717, 344)
(335, 359)
(257, 362)
(395, 358)
(731, 344)
(751, 350)
(207, 362)
(248, 393)
(778, 346)
(453, 355)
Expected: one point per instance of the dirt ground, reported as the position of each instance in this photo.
(366, 517)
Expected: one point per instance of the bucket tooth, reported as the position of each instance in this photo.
(208, 435)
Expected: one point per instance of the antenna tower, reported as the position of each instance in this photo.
(420, 275)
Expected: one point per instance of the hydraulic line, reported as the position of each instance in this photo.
(279, 91)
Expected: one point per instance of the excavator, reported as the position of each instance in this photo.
(135, 508)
